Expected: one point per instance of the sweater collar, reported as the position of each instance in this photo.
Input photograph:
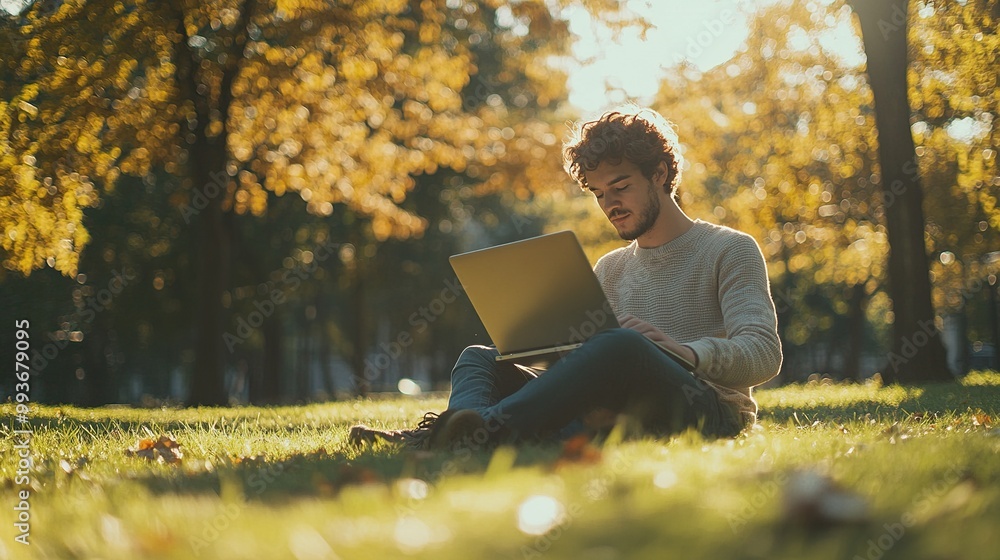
(683, 243)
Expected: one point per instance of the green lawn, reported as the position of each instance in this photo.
(832, 471)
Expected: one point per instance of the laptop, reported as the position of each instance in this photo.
(538, 298)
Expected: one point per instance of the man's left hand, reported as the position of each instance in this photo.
(634, 323)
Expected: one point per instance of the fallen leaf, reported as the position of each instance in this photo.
(981, 419)
(164, 450)
(350, 474)
(578, 449)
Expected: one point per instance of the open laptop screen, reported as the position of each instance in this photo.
(535, 294)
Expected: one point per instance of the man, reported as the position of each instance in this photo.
(698, 289)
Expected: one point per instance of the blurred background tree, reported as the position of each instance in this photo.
(221, 108)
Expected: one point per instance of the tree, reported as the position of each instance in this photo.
(955, 51)
(240, 102)
(917, 353)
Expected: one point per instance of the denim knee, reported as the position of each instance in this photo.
(476, 354)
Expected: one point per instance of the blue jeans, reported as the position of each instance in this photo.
(618, 369)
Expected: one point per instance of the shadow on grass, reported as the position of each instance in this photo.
(938, 398)
(98, 428)
(321, 474)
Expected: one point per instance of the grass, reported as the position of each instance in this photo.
(832, 471)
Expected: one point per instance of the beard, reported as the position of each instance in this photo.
(646, 218)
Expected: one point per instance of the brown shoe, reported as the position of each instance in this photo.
(415, 438)
(456, 428)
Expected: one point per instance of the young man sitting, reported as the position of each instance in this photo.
(699, 289)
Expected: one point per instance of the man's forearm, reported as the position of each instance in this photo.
(742, 361)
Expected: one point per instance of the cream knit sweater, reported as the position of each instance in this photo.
(708, 290)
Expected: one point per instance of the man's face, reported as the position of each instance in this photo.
(628, 199)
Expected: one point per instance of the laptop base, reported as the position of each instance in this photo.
(555, 351)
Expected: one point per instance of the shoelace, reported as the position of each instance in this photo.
(428, 421)
(417, 437)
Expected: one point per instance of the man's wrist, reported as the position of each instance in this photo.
(694, 355)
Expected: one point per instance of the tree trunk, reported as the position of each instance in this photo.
(268, 389)
(303, 371)
(362, 383)
(991, 289)
(207, 387)
(325, 355)
(209, 155)
(855, 332)
(917, 354)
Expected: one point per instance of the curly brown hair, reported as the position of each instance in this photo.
(639, 135)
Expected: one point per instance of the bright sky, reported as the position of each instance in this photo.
(14, 6)
(703, 33)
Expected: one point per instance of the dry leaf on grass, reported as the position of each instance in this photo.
(578, 449)
(981, 419)
(163, 450)
(351, 474)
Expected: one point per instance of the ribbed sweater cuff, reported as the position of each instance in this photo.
(704, 351)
